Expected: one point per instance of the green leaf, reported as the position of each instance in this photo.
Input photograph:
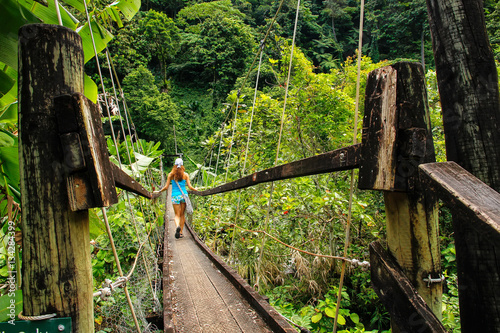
(6, 83)
(354, 318)
(77, 4)
(330, 312)
(48, 14)
(90, 88)
(317, 317)
(6, 140)
(341, 320)
(16, 299)
(12, 16)
(101, 38)
(128, 7)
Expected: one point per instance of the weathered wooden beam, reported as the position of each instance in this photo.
(396, 139)
(336, 160)
(57, 274)
(476, 222)
(467, 195)
(468, 86)
(127, 183)
(396, 128)
(90, 183)
(407, 308)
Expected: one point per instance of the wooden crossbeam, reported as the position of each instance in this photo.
(407, 308)
(127, 183)
(476, 223)
(467, 196)
(337, 160)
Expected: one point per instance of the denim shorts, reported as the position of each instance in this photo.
(178, 199)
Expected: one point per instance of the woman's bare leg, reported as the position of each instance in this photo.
(177, 217)
(182, 217)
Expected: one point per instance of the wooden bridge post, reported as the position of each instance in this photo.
(57, 276)
(468, 87)
(396, 139)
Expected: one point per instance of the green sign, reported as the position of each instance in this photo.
(55, 325)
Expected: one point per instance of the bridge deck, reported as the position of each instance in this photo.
(199, 298)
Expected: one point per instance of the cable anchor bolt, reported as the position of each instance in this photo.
(430, 280)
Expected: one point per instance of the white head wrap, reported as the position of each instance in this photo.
(178, 162)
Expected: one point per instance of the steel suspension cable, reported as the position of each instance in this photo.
(140, 176)
(108, 229)
(271, 24)
(351, 191)
(248, 142)
(279, 139)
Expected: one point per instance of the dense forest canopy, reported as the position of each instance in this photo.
(186, 65)
(197, 50)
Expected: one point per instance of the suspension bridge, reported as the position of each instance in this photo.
(200, 292)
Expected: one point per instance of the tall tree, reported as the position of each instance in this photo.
(163, 36)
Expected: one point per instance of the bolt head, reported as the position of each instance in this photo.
(61, 328)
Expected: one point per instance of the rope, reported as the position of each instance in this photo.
(279, 138)
(58, 12)
(248, 142)
(100, 76)
(108, 229)
(35, 318)
(119, 267)
(344, 259)
(354, 140)
(250, 68)
(232, 134)
(175, 141)
(121, 281)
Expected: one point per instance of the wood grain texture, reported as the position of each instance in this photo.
(57, 276)
(407, 308)
(468, 86)
(336, 160)
(78, 118)
(127, 183)
(476, 222)
(396, 128)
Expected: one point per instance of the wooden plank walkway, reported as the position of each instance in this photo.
(198, 297)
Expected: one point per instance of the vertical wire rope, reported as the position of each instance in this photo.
(102, 83)
(58, 12)
(247, 144)
(218, 154)
(228, 159)
(108, 229)
(354, 141)
(279, 141)
(134, 221)
(125, 109)
(254, 59)
(118, 106)
(175, 141)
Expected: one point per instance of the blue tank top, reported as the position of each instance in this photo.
(175, 188)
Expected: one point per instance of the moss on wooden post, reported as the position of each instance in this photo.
(57, 276)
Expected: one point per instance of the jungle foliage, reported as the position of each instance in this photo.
(184, 64)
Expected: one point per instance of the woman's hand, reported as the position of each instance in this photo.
(155, 194)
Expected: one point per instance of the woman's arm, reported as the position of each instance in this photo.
(169, 180)
(188, 182)
(156, 194)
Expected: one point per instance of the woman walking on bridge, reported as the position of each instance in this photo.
(178, 178)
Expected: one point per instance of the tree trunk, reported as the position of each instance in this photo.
(57, 275)
(468, 85)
